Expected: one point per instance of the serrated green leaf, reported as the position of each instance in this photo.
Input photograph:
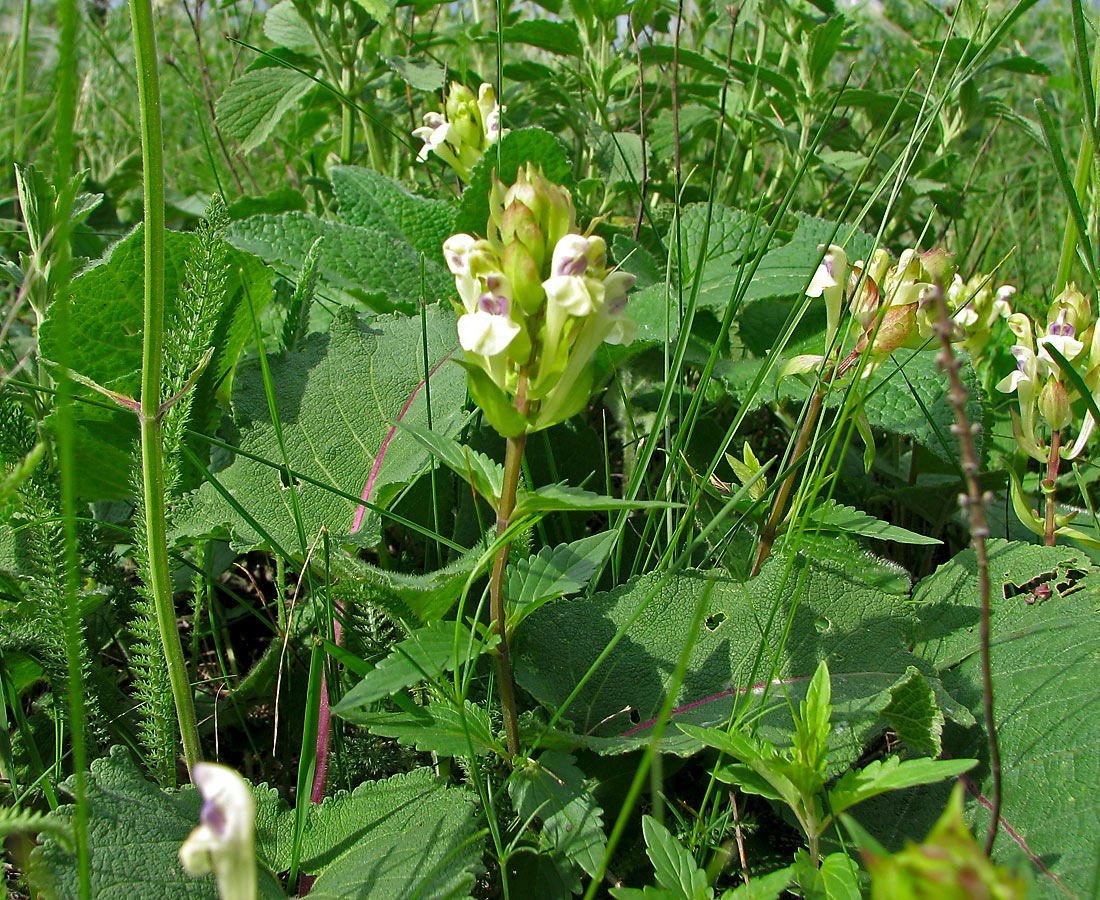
(565, 498)
(892, 774)
(914, 716)
(411, 598)
(837, 879)
(410, 835)
(1045, 644)
(842, 607)
(834, 516)
(423, 656)
(134, 834)
(513, 150)
(762, 887)
(339, 397)
(555, 791)
(627, 156)
(285, 27)
(371, 200)
(107, 312)
(364, 263)
(419, 73)
(379, 10)
(675, 868)
(254, 103)
(555, 571)
(438, 728)
(485, 475)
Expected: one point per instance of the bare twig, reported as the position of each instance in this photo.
(973, 502)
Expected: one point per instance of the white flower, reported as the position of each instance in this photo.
(433, 133)
(573, 294)
(828, 283)
(486, 333)
(224, 841)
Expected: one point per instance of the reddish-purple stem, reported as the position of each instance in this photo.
(324, 715)
(731, 693)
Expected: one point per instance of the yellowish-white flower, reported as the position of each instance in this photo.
(224, 841)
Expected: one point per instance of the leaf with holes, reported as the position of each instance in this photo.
(1045, 647)
(846, 608)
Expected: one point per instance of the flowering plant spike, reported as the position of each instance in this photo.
(467, 128)
(224, 841)
(537, 300)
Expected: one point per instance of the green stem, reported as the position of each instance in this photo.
(347, 113)
(779, 506)
(152, 450)
(513, 464)
(60, 255)
(21, 81)
(1049, 483)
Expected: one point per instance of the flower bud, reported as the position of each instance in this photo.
(1054, 404)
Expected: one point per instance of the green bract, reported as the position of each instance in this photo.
(536, 302)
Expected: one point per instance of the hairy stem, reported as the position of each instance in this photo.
(779, 506)
(513, 463)
(973, 502)
(152, 450)
(1049, 483)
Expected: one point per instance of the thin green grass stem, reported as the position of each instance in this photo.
(152, 448)
(73, 623)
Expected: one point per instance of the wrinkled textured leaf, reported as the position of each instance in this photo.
(283, 26)
(371, 200)
(844, 608)
(134, 833)
(339, 397)
(783, 272)
(419, 73)
(366, 263)
(254, 104)
(1045, 644)
(554, 791)
(409, 835)
(914, 715)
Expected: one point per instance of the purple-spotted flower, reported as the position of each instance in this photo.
(464, 131)
(1045, 398)
(224, 841)
(537, 302)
